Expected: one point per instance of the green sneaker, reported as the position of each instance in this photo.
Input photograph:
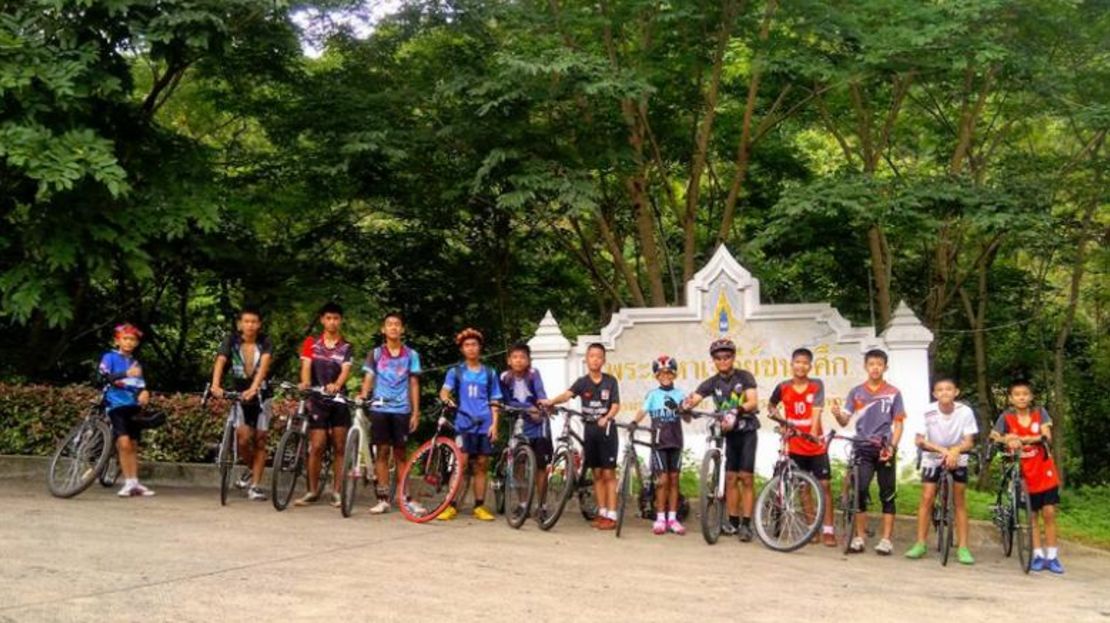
(917, 551)
(964, 556)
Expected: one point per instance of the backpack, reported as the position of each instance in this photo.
(379, 353)
(529, 380)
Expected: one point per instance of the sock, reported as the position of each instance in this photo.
(660, 516)
(827, 530)
(603, 512)
(1053, 552)
(734, 520)
(1038, 553)
(130, 482)
(746, 522)
(613, 515)
(672, 516)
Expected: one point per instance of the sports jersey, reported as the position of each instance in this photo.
(597, 398)
(1037, 466)
(123, 390)
(727, 390)
(799, 406)
(522, 392)
(475, 390)
(666, 425)
(233, 349)
(877, 410)
(327, 363)
(947, 430)
(391, 377)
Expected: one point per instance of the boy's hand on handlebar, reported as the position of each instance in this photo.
(216, 391)
(303, 385)
(332, 388)
(248, 395)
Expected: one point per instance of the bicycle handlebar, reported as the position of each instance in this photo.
(792, 429)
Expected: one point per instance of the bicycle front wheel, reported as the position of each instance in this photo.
(226, 460)
(849, 498)
(1023, 524)
(430, 480)
(77, 460)
(710, 504)
(944, 520)
(520, 479)
(111, 473)
(559, 485)
(288, 465)
(781, 520)
(625, 490)
(351, 474)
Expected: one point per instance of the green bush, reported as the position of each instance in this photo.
(33, 418)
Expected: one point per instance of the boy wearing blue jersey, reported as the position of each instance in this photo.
(479, 394)
(666, 455)
(125, 397)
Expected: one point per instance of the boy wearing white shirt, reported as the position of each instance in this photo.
(950, 430)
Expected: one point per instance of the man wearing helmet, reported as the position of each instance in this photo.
(734, 390)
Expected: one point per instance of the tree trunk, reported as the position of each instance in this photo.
(616, 249)
(880, 271)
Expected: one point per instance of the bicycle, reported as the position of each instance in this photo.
(291, 454)
(359, 457)
(780, 506)
(944, 505)
(711, 481)
(632, 481)
(850, 491)
(83, 454)
(1012, 512)
(567, 475)
(227, 456)
(514, 473)
(431, 476)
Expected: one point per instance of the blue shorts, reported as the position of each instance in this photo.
(475, 444)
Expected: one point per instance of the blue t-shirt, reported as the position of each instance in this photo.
(391, 378)
(522, 392)
(124, 390)
(474, 393)
(665, 422)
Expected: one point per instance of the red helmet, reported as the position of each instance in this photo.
(664, 362)
(722, 344)
(127, 329)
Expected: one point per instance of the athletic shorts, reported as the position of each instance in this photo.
(389, 429)
(475, 444)
(1044, 498)
(740, 451)
(254, 415)
(666, 461)
(933, 474)
(325, 414)
(816, 464)
(598, 448)
(543, 449)
(123, 423)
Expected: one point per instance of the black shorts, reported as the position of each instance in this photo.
(598, 449)
(123, 422)
(740, 451)
(818, 465)
(475, 444)
(543, 449)
(389, 429)
(1044, 498)
(666, 461)
(254, 415)
(325, 414)
(933, 474)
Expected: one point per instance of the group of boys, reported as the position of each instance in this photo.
(391, 382)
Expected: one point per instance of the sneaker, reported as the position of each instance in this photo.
(256, 494)
(918, 551)
(415, 508)
(1038, 564)
(244, 479)
(606, 524)
(728, 529)
(884, 548)
(963, 555)
(307, 499)
(336, 499)
(659, 528)
(829, 539)
(141, 491)
(676, 528)
(448, 514)
(381, 508)
(745, 533)
(482, 514)
(1054, 565)
(856, 546)
(125, 491)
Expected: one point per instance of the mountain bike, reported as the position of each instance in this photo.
(514, 472)
(291, 455)
(566, 475)
(1012, 512)
(83, 454)
(782, 519)
(431, 476)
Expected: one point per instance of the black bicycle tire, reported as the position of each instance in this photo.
(767, 490)
(498, 481)
(567, 457)
(849, 502)
(349, 491)
(1024, 529)
(289, 439)
(708, 502)
(101, 430)
(512, 517)
(112, 470)
(623, 489)
(944, 529)
(226, 460)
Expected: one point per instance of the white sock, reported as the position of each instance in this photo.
(603, 512)
(131, 482)
(660, 516)
(1053, 552)
(672, 516)
(613, 515)
(1038, 553)
(828, 530)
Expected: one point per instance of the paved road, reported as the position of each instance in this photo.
(180, 557)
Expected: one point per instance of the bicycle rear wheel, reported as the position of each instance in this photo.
(849, 497)
(79, 458)
(627, 488)
(226, 459)
(944, 519)
(1023, 524)
(351, 475)
(584, 488)
(287, 468)
(710, 505)
(520, 480)
(430, 480)
(780, 515)
(560, 484)
(111, 473)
